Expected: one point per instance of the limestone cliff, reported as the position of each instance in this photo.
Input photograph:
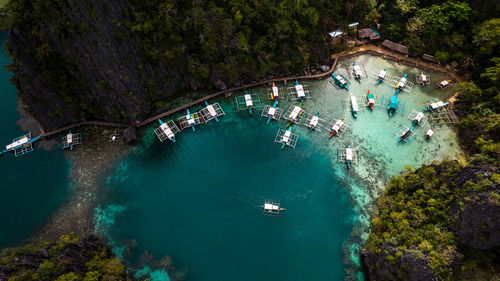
(121, 60)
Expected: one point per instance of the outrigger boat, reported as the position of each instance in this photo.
(297, 115)
(423, 79)
(418, 118)
(211, 109)
(393, 105)
(429, 134)
(286, 138)
(406, 133)
(381, 76)
(356, 71)
(248, 102)
(402, 82)
(166, 129)
(354, 107)
(314, 122)
(443, 84)
(371, 100)
(336, 127)
(69, 138)
(275, 93)
(300, 91)
(341, 81)
(436, 105)
(190, 119)
(21, 145)
(349, 156)
(271, 112)
(272, 208)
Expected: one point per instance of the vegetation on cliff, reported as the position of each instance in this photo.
(438, 222)
(68, 259)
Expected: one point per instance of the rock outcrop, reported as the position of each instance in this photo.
(473, 216)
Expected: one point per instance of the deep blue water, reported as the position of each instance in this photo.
(31, 186)
(199, 200)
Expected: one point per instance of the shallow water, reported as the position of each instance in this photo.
(32, 186)
(198, 199)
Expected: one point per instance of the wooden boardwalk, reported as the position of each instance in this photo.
(364, 49)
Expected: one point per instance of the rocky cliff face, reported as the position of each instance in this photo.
(477, 219)
(120, 60)
(474, 217)
(96, 73)
(68, 257)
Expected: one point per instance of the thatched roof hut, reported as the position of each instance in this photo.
(395, 47)
(369, 33)
(430, 58)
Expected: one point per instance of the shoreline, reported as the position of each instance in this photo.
(369, 48)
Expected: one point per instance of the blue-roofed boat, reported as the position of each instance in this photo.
(340, 81)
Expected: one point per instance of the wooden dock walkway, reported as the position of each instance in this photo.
(364, 49)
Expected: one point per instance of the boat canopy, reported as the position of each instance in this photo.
(382, 74)
(419, 116)
(295, 112)
(314, 121)
(248, 100)
(354, 103)
(166, 129)
(271, 111)
(211, 110)
(286, 136)
(17, 143)
(275, 91)
(348, 154)
(300, 91)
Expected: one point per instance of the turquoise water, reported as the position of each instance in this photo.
(198, 200)
(32, 186)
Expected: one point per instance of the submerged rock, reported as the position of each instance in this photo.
(130, 134)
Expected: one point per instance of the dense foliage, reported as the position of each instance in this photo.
(415, 215)
(65, 260)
